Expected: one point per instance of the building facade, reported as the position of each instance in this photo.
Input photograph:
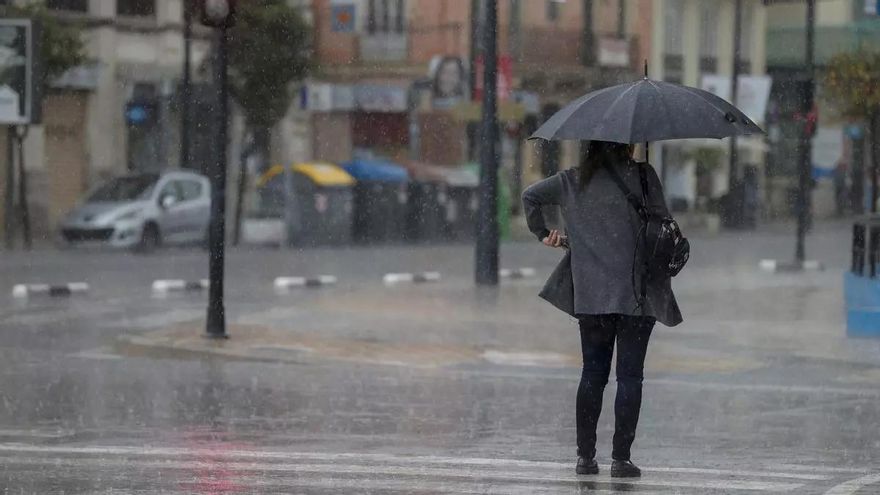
(692, 44)
(395, 80)
(841, 26)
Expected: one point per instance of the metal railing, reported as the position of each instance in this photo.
(866, 247)
(558, 47)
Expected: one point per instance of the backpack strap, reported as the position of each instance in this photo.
(631, 197)
(641, 209)
(643, 178)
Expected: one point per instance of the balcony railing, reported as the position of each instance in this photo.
(383, 47)
(786, 46)
(414, 45)
(555, 47)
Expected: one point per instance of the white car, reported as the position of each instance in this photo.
(142, 211)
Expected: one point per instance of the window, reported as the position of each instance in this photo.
(745, 40)
(171, 190)
(553, 10)
(190, 190)
(126, 188)
(136, 8)
(708, 30)
(674, 27)
(385, 16)
(71, 5)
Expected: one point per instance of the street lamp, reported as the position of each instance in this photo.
(219, 14)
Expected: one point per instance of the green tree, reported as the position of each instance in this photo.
(852, 84)
(269, 48)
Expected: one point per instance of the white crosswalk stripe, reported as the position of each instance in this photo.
(265, 469)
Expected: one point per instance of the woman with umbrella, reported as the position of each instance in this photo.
(605, 279)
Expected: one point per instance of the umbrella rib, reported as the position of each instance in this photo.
(699, 93)
(662, 101)
(617, 100)
(577, 104)
(713, 105)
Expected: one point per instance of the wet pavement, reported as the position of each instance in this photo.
(429, 388)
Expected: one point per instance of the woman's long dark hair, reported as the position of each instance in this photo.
(598, 153)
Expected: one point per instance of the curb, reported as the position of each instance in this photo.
(517, 273)
(23, 291)
(774, 266)
(285, 283)
(415, 278)
(163, 286)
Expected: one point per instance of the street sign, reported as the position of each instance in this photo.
(854, 131)
(343, 16)
(20, 90)
(872, 7)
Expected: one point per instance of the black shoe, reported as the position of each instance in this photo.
(587, 466)
(624, 469)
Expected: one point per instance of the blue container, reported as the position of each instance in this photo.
(376, 170)
(380, 200)
(862, 297)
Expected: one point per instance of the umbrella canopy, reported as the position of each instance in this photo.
(647, 110)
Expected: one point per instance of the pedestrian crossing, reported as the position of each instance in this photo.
(220, 468)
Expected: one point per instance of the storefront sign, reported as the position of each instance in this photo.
(380, 98)
(326, 97)
(613, 52)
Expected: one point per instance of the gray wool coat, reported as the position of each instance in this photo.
(602, 228)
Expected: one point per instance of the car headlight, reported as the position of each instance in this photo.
(129, 215)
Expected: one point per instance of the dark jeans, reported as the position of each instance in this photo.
(598, 333)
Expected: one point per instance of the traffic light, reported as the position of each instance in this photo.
(217, 13)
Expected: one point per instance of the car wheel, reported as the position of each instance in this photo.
(150, 239)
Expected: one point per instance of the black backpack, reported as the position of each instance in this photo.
(666, 249)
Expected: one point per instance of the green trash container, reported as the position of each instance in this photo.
(503, 198)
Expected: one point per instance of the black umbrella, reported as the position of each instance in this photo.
(644, 111)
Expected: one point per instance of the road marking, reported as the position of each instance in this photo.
(852, 487)
(456, 473)
(714, 386)
(525, 358)
(418, 278)
(820, 469)
(102, 353)
(357, 485)
(516, 273)
(286, 283)
(54, 434)
(165, 286)
(389, 458)
(23, 291)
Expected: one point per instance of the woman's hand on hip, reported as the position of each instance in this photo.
(556, 240)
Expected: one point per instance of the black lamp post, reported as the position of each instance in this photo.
(487, 219)
(219, 14)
